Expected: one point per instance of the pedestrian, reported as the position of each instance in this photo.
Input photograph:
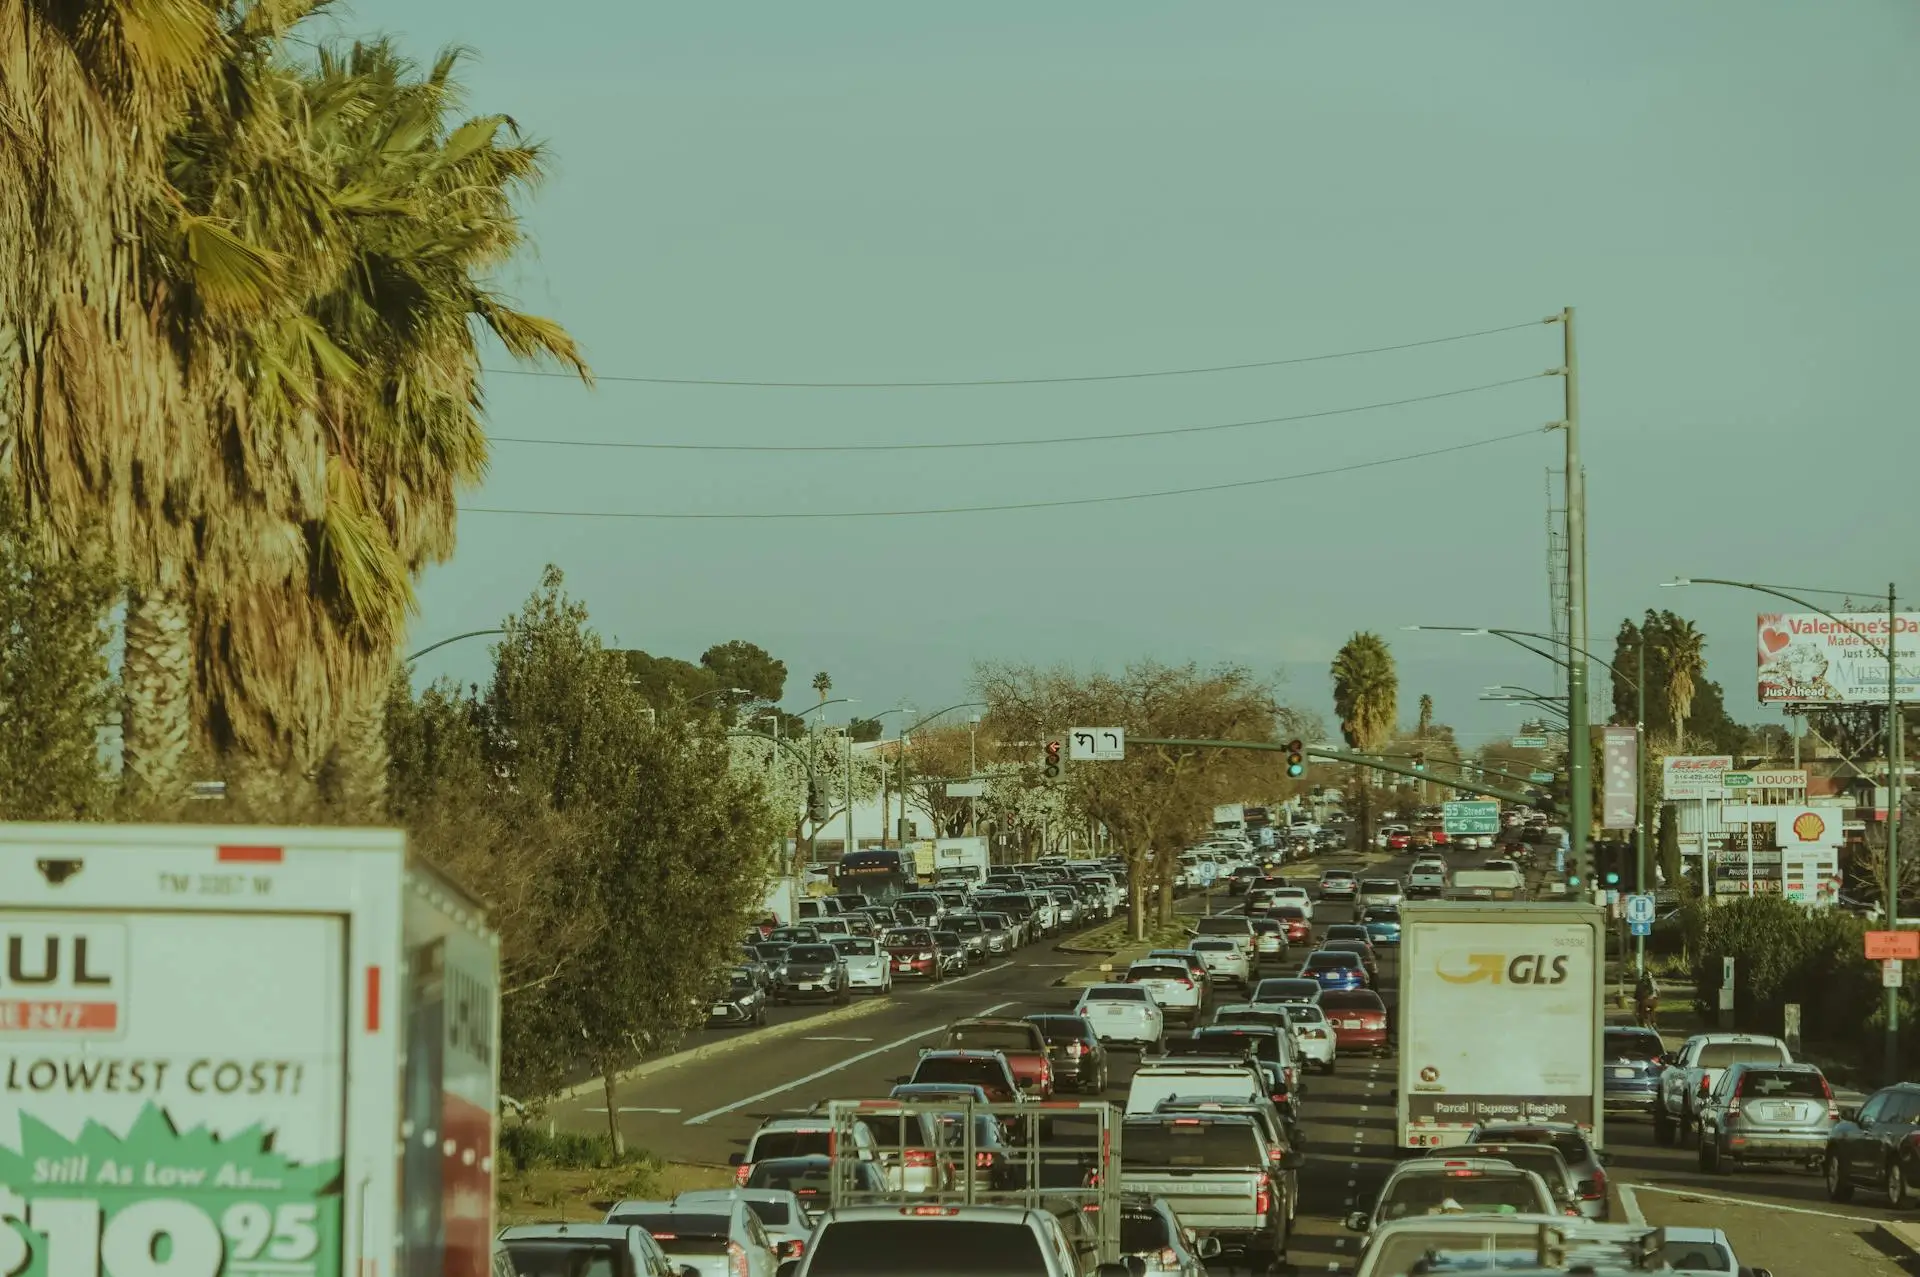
(1646, 998)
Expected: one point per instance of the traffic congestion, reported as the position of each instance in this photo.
(1231, 1101)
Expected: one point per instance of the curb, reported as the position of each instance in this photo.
(698, 1054)
(1902, 1234)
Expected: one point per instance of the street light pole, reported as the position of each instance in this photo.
(1579, 748)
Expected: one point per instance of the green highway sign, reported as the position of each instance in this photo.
(1470, 817)
(1529, 742)
(1540, 778)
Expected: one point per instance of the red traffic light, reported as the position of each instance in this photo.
(1294, 746)
(1053, 751)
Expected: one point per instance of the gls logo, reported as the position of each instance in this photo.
(1498, 968)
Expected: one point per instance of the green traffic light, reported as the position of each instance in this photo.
(1573, 880)
(1296, 769)
(1613, 880)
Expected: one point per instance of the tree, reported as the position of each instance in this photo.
(661, 681)
(738, 663)
(823, 683)
(866, 729)
(1426, 717)
(1684, 647)
(937, 757)
(1705, 721)
(54, 687)
(1366, 696)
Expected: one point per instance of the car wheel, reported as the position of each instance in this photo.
(1709, 1156)
(1662, 1126)
(1839, 1183)
(1896, 1186)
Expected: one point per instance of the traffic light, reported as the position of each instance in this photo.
(817, 811)
(1296, 758)
(1419, 762)
(1050, 767)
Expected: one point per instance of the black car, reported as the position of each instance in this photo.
(1241, 878)
(812, 971)
(1632, 1061)
(1874, 1146)
(952, 951)
(1079, 1060)
(743, 1001)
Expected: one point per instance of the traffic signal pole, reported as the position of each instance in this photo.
(1359, 760)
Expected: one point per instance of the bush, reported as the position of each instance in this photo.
(525, 1148)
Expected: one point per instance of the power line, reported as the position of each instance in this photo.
(1014, 443)
(1027, 381)
(1016, 505)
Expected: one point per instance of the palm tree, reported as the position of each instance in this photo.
(1366, 696)
(823, 683)
(1425, 724)
(1684, 648)
(89, 391)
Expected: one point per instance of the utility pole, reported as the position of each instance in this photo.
(851, 848)
(1579, 747)
(1640, 779)
(1895, 769)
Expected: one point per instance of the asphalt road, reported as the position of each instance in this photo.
(702, 1112)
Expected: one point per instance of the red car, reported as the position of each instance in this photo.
(1294, 919)
(911, 951)
(1359, 1020)
(1019, 1041)
(1399, 842)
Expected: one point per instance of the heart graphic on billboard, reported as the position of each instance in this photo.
(1774, 639)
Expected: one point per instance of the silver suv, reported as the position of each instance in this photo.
(1766, 1113)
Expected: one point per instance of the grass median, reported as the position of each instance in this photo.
(1118, 950)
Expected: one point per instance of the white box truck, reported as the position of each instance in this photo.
(964, 861)
(1499, 1017)
(242, 1052)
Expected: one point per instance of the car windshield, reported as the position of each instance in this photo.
(908, 937)
(682, 1234)
(1265, 1046)
(1541, 1159)
(1382, 914)
(1190, 1141)
(570, 1257)
(965, 926)
(1476, 1193)
(770, 1211)
(1719, 1055)
(1332, 959)
(1572, 1144)
(947, 939)
(1701, 1257)
(943, 1247)
(1251, 1015)
(992, 922)
(1290, 911)
(1061, 1028)
(769, 1144)
(979, 1070)
(1275, 990)
(1758, 1085)
(804, 953)
(1204, 945)
(1635, 1045)
(855, 948)
(1306, 1015)
(1116, 993)
(1159, 971)
(992, 1037)
(1380, 886)
(1142, 1231)
(1352, 1000)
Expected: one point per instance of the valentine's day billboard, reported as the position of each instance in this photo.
(1808, 658)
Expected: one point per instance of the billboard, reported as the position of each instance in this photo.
(1806, 658)
(1693, 775)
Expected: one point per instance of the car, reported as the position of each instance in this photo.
(995, 1164)
(907, 1145)
(1587, 1165)
(1338, 884)
(1632, 1059)
(1694, 1069)
(987, 1070)
(722, 1238)
(1269, 940)
(965, 1092)
(812, 971)
(794, 1137)
(1150, 1233)
(972, 933)
(1344, 931)
(1172, 984)
(912, 953)
(561, 1250)
(1767, 1113)
(810, 1178)
(1241, 877)
(781, 1213)
(1543, 1160)
(1294, 897)
(1195, 964)
(865, 962)
(831, 927)
(1078, 1056)
(1699, 1252)
(1270, 1044)
(1217, 1172)
(1001, 933)
(1225, 958)
(1358, 1018)
(968, 1239)
(794, 935)
(1286, 989)
(1019, 1042)
(1426, 1186)
(1232, 926)
(742, 1002)
(1123, 1014)
(1296, 921)
(1376, 891)
(953, 953)
(1382, 924)
(1398, 841)
(1335, 969)
(1875, 1147)
(1306, 1023)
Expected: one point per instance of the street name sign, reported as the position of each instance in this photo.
(1529, 742)
(1540, 778)
(966, 789)
(1470, 817)
(1096, 744)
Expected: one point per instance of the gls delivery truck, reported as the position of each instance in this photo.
(241, 1052)
(1499, 1017)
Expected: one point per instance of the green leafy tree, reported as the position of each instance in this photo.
(1704, 720)
(738, 663)
(866, 729)
(54, 688)
(662, 681)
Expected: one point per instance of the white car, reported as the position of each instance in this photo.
(797, 1137)
(781, 1213)
(1172, 986)
(1294, 896)
(1312, 1035)
(1226, 959)
(867, 966)
(716, 1239)
(1123, 1013)
(1694, 1252)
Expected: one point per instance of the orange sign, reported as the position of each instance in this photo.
(1899, 945)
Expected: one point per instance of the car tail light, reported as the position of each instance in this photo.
(1704, 1088)
(1833, 1110)
(918, 1157)
(742, 1172)
(1263, 1200)
(929, 1210)
(1075, 1050)
(1595, 1189)
(737, 1265)
(1733, 1101)
(793, 1249)
(1186, 984)
(982, 1161)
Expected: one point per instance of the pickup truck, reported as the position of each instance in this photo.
(1020, 1041)
(1217, 1173)
(1695, 1070)
(1495, 880)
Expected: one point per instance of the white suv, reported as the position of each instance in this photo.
(1171, 984)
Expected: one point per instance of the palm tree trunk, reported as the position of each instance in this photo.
(157, 715)
(357, 766)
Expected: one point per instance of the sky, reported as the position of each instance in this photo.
(858, 192)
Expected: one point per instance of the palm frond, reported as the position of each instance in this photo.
(228, 273)
(531, 336)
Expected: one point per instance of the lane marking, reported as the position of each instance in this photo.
(816, 1075)
(1757, 1205)
(1631, 1205)
(834, 1039)
(962, 979)
(625, 1109)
